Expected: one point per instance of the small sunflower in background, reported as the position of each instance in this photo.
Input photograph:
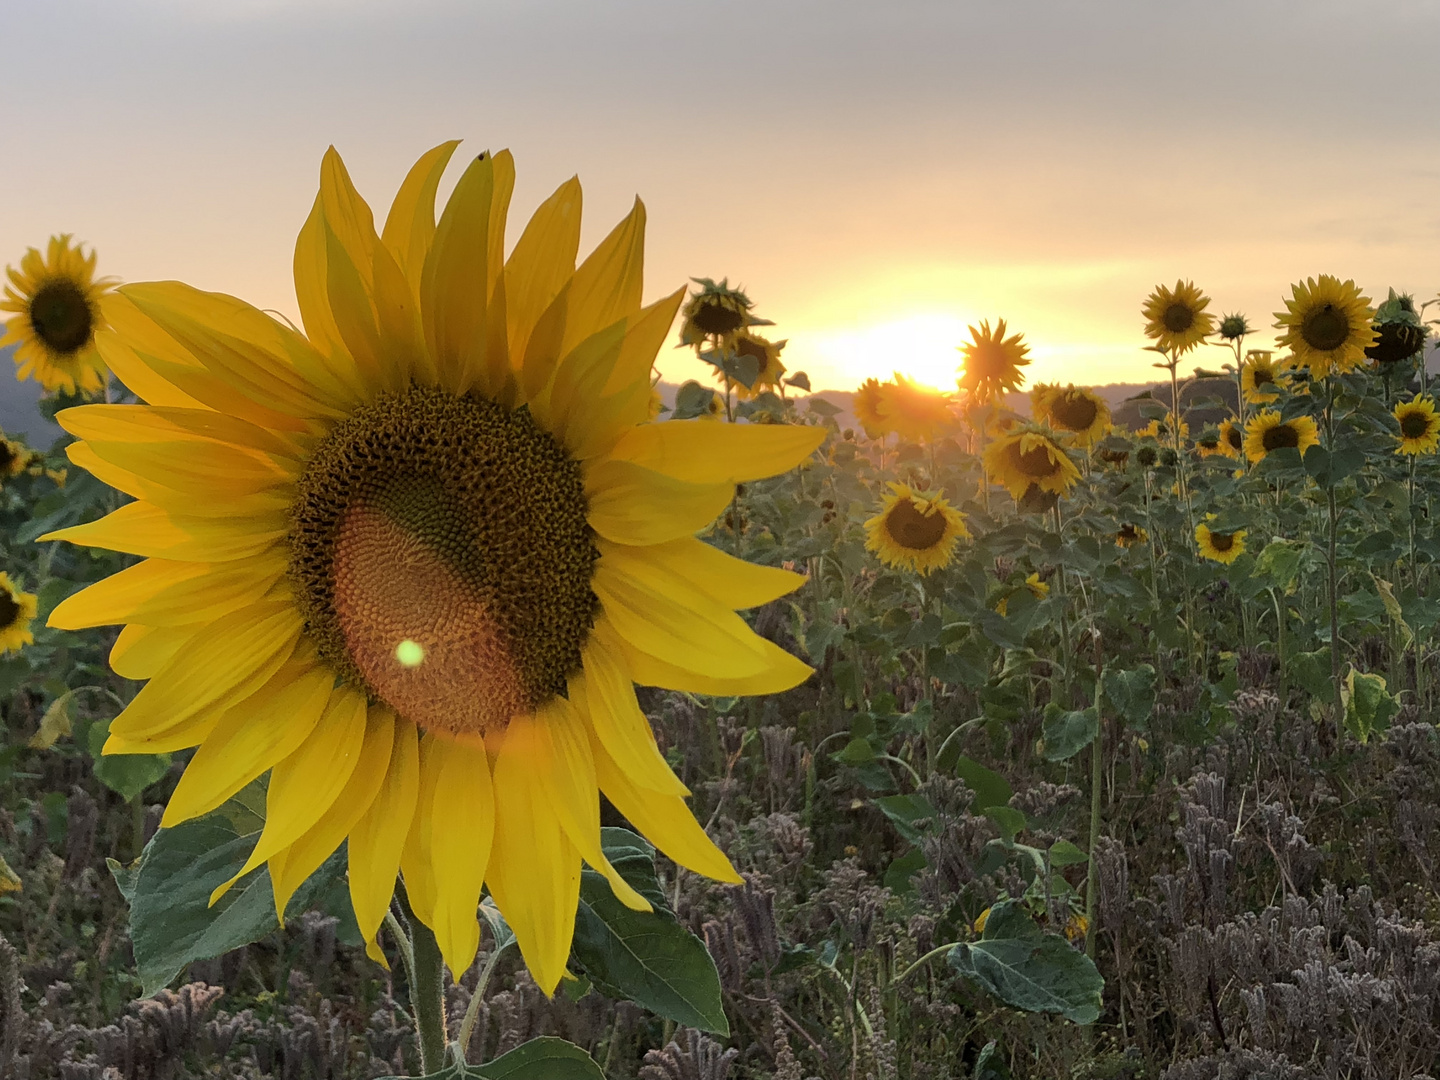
(1234, 327)
(1024, 458)
(992, 363)
(1266, 431)
(1222, 547)
(913, 410)
(1208, 444)
(14, 457)
(1399, 331)
(915, 531)
(766, 354)
(866, 406)
(1262, 377)
(1326, 324)
(1419, 425)
(1163, 430)
(1072, 409)
(1232, 438)
(1176, 318)
(1128, 535)
(1037, 587)
(715, 313)
(56, 301)
(17, 608)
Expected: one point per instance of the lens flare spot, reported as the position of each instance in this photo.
(410, 653)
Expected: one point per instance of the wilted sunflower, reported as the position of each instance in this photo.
(1327, 325)
(14, 457)
(1399, 331)
(1073, 409)
(1265, 431)
(56, 300)
(1419, 425)
(915, 411)
(1176, 318)
(1129, 535)
(914, 531)
(767, 356)
(1222, 547)
(715, 313)
(1024, 458)
(16, 610)
(412, 562)
(992, 362)
(866, 406)
(1232, 438)
(1261, 377)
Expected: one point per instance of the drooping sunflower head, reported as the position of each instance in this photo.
(1116, 447)
(866, 405)
(1079, 412)
(1129, 534)
(413, 562)
(915, 531)
(14, 457)
(1222, 547)
(1207, 443)
(1419, 425)
(992, 362)
(1266, 431)
(1036, 500)
(1176, 319)
(1232, 438)
(766, 355)
(913, 410)
(55, 298)
(715, 313)
(1400, 333)
(1262, 377)
(1234, 327)
(17, 609)
(1326, 324)
(1024, 458)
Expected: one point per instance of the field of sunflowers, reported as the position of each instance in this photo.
(413, 692)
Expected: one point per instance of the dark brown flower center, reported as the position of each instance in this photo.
(61, 316)
(1222, 541)
(1178, 317)
(751, 347)
(1234, 437)
(1074, 412)
(911, 529)
(7, 456)
(1261, 376)
(1415, 425)
(713, 317)
(9, 610)
(1035, 462)
(1280, 436)
(1325, 328)
(457, 526)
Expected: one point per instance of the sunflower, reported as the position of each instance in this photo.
(456, 455)
(1232, 438)
(1265, 431)
(1234, 327)
(915, 411)
(1220, 546)
(1038, 588)
(767, 358)
(992, 362)
(1209, 445)
(1036, 500)
(1128, 535)
(1262, 377)
(1399, 331)
(1162, 430)
(1176, 318)
(14, 457)
(1025, 458)
(1419, 425)
(16, 610)
(990, 417)
(866, 406)
(715, 313)
(1327, 325)
(914, 531)
(1076, 410)
(56, 301)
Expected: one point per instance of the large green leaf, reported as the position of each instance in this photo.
(645, 957)
(1131, 693)
(988, 786)
(1028, 969)
(545, 1058)
(1368, 705)
(171, 919)
(1065, 734)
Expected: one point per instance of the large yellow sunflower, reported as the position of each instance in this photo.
(767, 356)
(1262, 377)
(1072, 409)
(915, 411)
(992, 362)
(56, 301)
(1023, 459)
(16, 610)
(1265, 431)
(1176, 318)
(1232, 438)
(1327, 325)
(413, 561)
(866, 406)
(1419, 425)
(914, 531)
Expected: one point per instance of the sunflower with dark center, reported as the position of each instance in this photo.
(14, 457)
(866, 406)
(915, 531)
(1327, 325)
(1147, 454)
(715, 313)
(1024, 458)
(1232, 438)
(1129, 535)
(55, 299)
(992, 363)
(17, 609)
(916, 412)
(1176, 319)
(1080, 412)
(1208, 444)
(412, 562)
(1163, 430)
(766, 355)
(1222, 547)
(1262, 377)
(1419, 425)
(1234, 327)
(1400, 332)
(1266, 432)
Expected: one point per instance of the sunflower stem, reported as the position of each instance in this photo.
(1097, 776)
(1284, 689)
(1065, 658)
(426, 972)
(472, 1011)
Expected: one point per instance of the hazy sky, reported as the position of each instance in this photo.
(876, 174)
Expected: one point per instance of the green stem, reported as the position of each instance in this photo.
(1097, 776)
(918, 964)
(1330, 559)
(427, 990)
(1284, 689)
(1064, 615)
(472, 1011)
(137, 823)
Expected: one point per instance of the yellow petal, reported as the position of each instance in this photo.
(410, 225)
(782, 672)
(568, 410)
(141, 529)
(160, 592)
(310, 290)
(455, 284)
(464, 816)
(634, 505)
(644, 334)
(124, 345)
(140, 651)
(542, 262)
(378, 838)
(664, 820)
(607, 285)
(701, 452)
(692, 563)
(196, 467)
(147, 424)
(251, 737)
(417, 862)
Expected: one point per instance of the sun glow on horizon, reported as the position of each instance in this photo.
(922, 347)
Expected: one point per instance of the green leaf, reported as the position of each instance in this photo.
(856, 752)
(1280, 562)
(171, 920)
(902, 868)
(906, 811)
(799, 379)
(990, 1064)
(644, 957)
(822, 406)
(1368, 706)
(1063, 853)
(1030, 970)
(1065, 734)
(1328, 469)
(989, 788)
(545, 1058)
(125, 774)
(1131, 693)
(1311, 671)
(1010, 821)
(692, 400)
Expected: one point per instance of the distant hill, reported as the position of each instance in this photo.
(19, 406)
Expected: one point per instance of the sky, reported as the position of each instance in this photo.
(878, 176)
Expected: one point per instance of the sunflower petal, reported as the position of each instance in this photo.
(782, 672)
(140, 651)
(608, 698)
(455, 285)
(460, 849)
(141, 529)
(417, 862)
(160, 592)
(542, 262)
(630, 504)
(410, 225)
(378, 838)
(607, 285)
(733, 582)
(700, 452)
